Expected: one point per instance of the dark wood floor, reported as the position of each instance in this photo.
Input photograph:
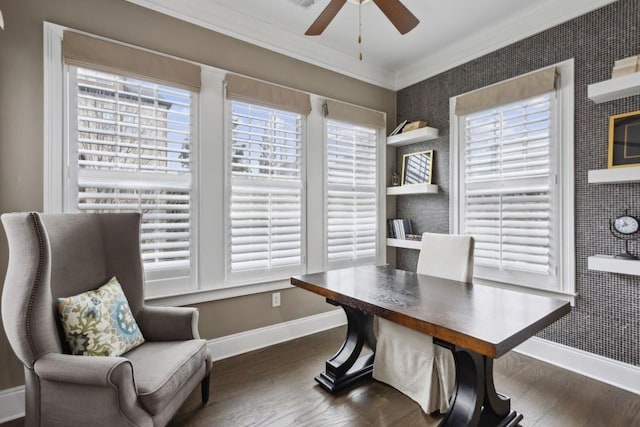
(274, 387)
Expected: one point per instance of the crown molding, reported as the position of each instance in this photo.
(221, 19)
(547, 15)
(213, 16)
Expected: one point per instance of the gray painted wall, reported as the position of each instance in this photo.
(606, 318)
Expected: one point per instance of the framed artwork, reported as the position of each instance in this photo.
(624, 140)
(417, 167)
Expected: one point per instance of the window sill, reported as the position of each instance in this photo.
(205, 295)
(562, 295)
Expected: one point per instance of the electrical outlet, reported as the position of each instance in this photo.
(275, 299)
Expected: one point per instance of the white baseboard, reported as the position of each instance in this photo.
(618, 374)
(11, 404)
(232, 345)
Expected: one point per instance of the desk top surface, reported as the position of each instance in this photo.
(487, 320)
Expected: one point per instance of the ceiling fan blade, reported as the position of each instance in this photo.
(325, 18)
(398, 14)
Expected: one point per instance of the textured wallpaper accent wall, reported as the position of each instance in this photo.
(606, 318)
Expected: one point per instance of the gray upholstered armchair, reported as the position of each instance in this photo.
(59, 255)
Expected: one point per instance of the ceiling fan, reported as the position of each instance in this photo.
(395, 11)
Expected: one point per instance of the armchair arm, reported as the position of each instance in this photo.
(102, 387)
(87, 370)
(169, 323)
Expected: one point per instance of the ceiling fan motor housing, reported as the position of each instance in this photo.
(303, 3)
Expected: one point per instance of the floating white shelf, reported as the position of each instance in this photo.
(620, 87)
(411, 137)
(615, 175)
(413, 189)
(407, 244)
(614, 265)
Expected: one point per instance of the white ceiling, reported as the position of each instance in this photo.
(450, 32)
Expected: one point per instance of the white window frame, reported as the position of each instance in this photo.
(380, 206)
(241, 278)
(160, 280)
(59, 176)
(564, 135)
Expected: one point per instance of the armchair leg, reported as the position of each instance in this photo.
(205, 389)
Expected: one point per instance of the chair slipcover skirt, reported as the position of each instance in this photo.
(410, 362)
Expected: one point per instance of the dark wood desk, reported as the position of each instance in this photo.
(477, 323)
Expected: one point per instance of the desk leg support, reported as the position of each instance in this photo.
(347, 366)
(475, 401)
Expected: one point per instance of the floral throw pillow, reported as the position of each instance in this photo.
(100, 322)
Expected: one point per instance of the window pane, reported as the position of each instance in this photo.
(266, 188)
(126, 124)
(512, 229)
(265, 143)
(351, 199)
(133, 145)
(265, 227)
(509, 141)
(508, 201)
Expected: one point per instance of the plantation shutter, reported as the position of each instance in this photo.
(130, 150)
(266, 190)
(352, 204)
(509, 188)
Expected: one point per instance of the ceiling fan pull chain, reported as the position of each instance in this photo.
(360, 27)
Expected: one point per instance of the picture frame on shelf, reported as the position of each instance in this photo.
(624, 140)
(417, 168)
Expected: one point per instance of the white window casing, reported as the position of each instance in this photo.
(266, 215)
(130, 148)
(512, 188)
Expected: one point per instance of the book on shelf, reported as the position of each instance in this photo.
(399, 228)
(414, 126)
(416, 237)
(398, 129)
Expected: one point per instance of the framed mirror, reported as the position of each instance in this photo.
(416, 168)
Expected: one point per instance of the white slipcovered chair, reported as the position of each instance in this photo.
(408, 360)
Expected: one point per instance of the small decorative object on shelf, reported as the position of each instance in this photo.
(625, 227)
(395, 179)
(414, 126)
(416, 167)
(624, 140)
(416, 237)
(626, 66)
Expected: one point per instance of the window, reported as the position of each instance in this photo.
(509, 193)
(224, 168)
(512, 186)
(352, 208)
(266, 192)
(130, 149)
